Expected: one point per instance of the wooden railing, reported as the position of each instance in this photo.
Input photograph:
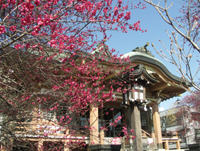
(166, 138)
(170, 134)
(24, 128)
(145, 134)
(171, 137)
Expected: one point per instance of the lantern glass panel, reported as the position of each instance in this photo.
(138, 92)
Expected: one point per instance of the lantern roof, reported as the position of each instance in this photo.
(139, 72)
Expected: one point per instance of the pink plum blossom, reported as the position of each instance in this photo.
(2, 29)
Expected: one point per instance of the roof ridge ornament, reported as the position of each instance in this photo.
(143, 49)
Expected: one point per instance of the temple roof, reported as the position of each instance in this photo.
(142, 54)
(166, 85)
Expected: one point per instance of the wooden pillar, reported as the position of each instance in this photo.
(94, 125)
(35, 115)
(178, 146)
(40, 145)
(128, 118)
(136, 125)
(102, 137)
(88, 148)
(156, 124)
(66, 147)
(154, 139)
(152, 135)
(166, 145)
(102, 131)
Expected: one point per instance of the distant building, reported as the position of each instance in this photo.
(174, 120)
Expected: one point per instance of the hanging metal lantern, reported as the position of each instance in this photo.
(125, 99)
(137, 93)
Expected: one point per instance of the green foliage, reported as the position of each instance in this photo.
(171, 118)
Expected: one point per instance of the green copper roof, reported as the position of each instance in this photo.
(143, 55)
(142, 51)
(135, 53)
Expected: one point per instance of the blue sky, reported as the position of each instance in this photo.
(150, 20)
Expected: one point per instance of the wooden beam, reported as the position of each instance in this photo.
(158, 87)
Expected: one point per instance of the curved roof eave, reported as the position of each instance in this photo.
(142, 57)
